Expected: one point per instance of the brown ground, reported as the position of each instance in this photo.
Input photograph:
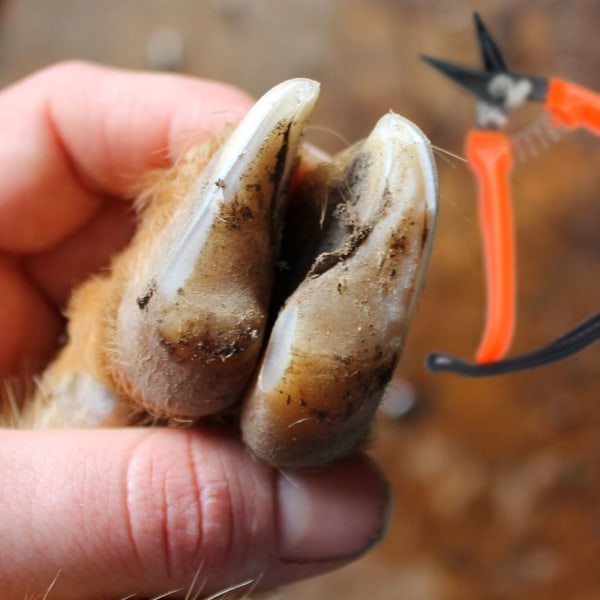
(497, 482)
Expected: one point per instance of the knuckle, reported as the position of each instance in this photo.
(179, 512)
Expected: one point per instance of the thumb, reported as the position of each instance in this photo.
(111, 513)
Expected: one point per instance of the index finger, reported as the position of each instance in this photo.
(77, 132)
(72, 135)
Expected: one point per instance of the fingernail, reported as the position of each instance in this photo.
(334, 513)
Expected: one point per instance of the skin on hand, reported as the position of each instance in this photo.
(77, 140)
(118, 512)
(143, 511)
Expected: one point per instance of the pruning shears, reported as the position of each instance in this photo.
(489, 154)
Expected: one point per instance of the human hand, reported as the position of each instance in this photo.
(118, 512)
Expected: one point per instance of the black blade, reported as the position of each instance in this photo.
(474, 80)
(491, 55)
(478, 82)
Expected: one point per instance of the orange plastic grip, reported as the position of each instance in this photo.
(573, 106)
(489, 156)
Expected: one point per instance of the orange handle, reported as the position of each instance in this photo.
(489, 156)
(573, 106)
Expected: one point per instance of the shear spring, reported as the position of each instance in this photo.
(530, 142)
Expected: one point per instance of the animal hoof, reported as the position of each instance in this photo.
(175, 330)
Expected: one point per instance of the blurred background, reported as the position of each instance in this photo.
(497, 481)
